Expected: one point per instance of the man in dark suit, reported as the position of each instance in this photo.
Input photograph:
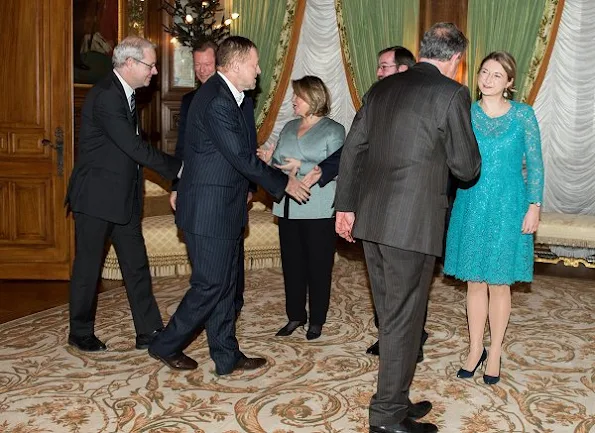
(105, 195)
(204, 57)
(219, 163)
(391, 193)
(205, 62)
(392, 60)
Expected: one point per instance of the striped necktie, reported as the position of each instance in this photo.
(133, 111)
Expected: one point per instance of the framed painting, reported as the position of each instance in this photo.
(98, 26)
(183, 67)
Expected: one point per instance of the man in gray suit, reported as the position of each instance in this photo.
(391, 193)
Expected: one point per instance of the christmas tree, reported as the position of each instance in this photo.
(195, 22)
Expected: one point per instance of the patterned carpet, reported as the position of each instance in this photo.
(324, 386)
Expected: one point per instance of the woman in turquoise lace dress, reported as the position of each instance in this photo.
(490, 236)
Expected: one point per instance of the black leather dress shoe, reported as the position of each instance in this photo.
(143, 341)
(291, 326)
(420, 354)
(176, 362)
(314, 332)
(419, 410)
(246, 363)
(407, 426)
(374, 349)
(87, 343)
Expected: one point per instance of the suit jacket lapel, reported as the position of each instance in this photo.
(227, 92)
(122, 93)
(246, 106)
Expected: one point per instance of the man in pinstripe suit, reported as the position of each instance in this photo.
(219, 163)
(204, 56)
(391, 193)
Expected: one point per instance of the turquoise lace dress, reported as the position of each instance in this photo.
(484, 242)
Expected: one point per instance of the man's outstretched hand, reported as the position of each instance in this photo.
(297, 190)
(313, 176)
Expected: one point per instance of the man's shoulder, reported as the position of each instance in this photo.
(109, 83)
(213, 88)
(433, 75)
(188, 96)
(104, 90)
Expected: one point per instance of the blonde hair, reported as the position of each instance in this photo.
(312, 90)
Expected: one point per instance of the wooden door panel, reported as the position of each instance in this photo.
(25, 35)
(3, 142)
(31, 225)
(4, 211)
(36, 85)
(27, 145)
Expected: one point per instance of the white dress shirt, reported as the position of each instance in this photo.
(239, 96)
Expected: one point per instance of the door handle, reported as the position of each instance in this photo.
(58, 147)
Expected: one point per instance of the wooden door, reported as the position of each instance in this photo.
(451, 11)
(35, 138)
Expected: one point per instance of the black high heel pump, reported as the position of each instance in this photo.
(466, 374)
(492, 380)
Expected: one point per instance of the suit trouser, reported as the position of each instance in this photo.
(91, 235)
(400, 283)
(238, 288)
(424, 334)
(307, 256)
(208, 303)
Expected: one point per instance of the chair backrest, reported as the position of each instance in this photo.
(154, 190)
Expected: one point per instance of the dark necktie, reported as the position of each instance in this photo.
(133, 112)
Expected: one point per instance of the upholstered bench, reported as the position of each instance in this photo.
(566, 238)
(167, 252)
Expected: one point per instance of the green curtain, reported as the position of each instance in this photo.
(502, 25)
(371, 26)
(262, 22)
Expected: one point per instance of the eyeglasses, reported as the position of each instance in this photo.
(151, 66)
(386, 67)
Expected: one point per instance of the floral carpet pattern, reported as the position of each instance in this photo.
(320, 386)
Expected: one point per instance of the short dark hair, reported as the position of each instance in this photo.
(442, 41)
(313, 90)
(201, 47)
(402, 55)
(233, 48)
